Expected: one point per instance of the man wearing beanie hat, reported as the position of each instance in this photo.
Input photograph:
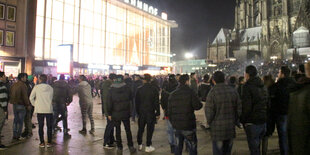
(118, 109)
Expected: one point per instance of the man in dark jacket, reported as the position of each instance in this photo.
(119, 104)
(148, 110)
(299, 117)
(279, 106)
(223, 109)
(62, 97)
(167, 90)
(182, 104)
(193, 82)
(136, 84)
(4, 98)
(254, 109)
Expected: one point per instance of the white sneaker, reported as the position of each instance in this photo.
(140, 147)
(149, 149)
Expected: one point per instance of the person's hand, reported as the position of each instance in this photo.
(110, 118)
(157, 118)
(29, 107)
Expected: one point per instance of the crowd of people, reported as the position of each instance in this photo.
(257, 102)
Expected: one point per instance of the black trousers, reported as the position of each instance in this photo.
(109, 133)
(118, 132)
(49, 122)
(150, 123)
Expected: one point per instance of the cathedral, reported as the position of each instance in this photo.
(264, 29)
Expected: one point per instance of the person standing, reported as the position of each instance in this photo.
(254, 109)
(108, 138)
(298, 116)
(86, 104)
(193, 82)
(29, 112)
(203, 91)
(182, 104)
(136, 84)
(119, 104)
(41, 98)
(223, 109)
(168, 88)
(19, 99)
(4, 97)
(279, 106)
(148, 110)
(61, 99)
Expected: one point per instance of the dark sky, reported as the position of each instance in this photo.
(198, 20)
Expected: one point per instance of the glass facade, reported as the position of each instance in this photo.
(102, 32)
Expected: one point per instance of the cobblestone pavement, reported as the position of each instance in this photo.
(93, 144)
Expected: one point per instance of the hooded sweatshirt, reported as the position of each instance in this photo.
(41, 98)
(84, 92)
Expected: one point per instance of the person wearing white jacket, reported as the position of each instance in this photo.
(41, 98)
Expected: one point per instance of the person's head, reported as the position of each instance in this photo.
(105, 78)
(241, 80)
(218, 77)
(172, 77)
(119, 78)
(206, 78)
(2, 77)
(112, 76)
(43, 78)
(126, 75)
(301, 69)
(82, 78)
(193, 75)
(137, 77)
(62, 77)
(268, 80)
(184, 79)
(307, 69)
(147, 78)
(30, 78)
(284, 72)
(232, 80)
(250, 72)
(22, 77)
(177, 77)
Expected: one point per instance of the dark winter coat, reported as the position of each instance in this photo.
(136, 85)
(280, 97)
(203, 91)
(147, 102)
(182, 104)
(104, 89)
(119, 101)
(167, 90)
(299, 119)
(62, 93)
(254, 102)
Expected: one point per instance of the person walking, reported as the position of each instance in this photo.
(182, 104)
(168, 88)
(61, 99)
(254, 98)
(298, 116)
(86, 104)
(119, 104)
(4, 98)
(279, 106)
(148, 110)
(108, 138)
(41, 98)
(20, 100)
(223, 109)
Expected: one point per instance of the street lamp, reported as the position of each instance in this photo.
(188, 55)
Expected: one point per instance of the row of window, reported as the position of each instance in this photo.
(9, 38)
(7, 12)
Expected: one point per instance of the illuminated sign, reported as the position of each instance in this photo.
(130, 68)
(98, 66)
(143, 6)
(116, 67)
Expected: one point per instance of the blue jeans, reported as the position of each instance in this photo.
(190, 139)
(170, 132)
(255, 134)
(281, 123)
(19, 115)
(222, 147)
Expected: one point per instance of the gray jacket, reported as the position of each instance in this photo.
(84, 92)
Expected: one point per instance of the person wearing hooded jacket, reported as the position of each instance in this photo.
(41, 98)
(86, 104)
(254, 109)
(118, 109)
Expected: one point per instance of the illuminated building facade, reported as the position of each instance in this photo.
(107, 35)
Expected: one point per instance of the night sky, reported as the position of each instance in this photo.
(198, 20)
